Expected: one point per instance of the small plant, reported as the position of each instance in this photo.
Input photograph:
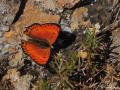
(43, 85)
(91, 43)
(64, 68)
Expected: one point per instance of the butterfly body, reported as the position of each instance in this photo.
(41, 43)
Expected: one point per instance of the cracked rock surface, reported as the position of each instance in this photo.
(15, 15)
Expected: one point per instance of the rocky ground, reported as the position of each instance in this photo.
(19, 72)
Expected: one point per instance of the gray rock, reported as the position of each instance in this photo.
(4, 28)
(1, 34)
(3, 8)
(5, 49)
(1, 46)
(7, 20)
(1, 40)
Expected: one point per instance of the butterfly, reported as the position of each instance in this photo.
(42, 37)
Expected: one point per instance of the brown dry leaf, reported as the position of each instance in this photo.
(83, 54)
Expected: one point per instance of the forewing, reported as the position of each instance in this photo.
(48, 32)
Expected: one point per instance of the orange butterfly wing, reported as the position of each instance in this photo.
(36, 53)
(48, 32)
